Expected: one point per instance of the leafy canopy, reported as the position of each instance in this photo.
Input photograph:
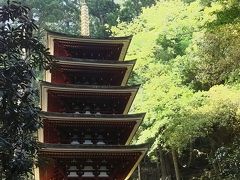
(20, 54)
(188, 65)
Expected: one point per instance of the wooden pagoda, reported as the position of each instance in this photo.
(85, 102)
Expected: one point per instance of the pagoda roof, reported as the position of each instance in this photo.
(66, 151)
(119, 70)
(97, 120)
(46, 147)
(57, 115)
(50, 32)
(90, 41)
(89, 88)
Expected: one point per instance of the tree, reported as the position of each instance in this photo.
(20, 54)
(133, 8)
(213, 58)
(187, 123)
(104, 15)
(64, 15)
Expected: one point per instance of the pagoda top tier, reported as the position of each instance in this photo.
(63, 45)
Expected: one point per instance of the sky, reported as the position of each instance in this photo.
(119, 1)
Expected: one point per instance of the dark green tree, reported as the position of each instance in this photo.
(133, 8)
(104, 15)
(63, 15)
(20, 54)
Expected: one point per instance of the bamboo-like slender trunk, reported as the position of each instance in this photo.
(190, 154)
(139, 172)
(175, 163)
(162, 164)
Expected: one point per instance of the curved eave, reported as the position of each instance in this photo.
(89, 88)
(74, 116)
(91, 148)
(125, 41)
(54, 33)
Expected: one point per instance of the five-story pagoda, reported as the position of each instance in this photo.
(85, 103)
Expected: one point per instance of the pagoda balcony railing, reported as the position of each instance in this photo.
(75, 169)
(83, 111)
(86, 134)
(106, 109)
(83, 78)
(89, 141)
(87, 104)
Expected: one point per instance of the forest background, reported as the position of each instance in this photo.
(188, 64)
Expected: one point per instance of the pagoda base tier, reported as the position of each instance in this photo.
(62, 161)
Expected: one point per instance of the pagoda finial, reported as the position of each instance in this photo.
(84, 19)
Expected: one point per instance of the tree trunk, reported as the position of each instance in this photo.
(211, 154)
(190, 154)
(175, 163)
(162, 164)
(139, 172)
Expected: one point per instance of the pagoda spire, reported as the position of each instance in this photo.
(84, 19)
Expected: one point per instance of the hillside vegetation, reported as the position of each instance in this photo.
(188, 64)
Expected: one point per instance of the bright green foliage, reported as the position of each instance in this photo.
(188, 65)
(205, 114)
(229, 14)
(177, 23)
(151, 46)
